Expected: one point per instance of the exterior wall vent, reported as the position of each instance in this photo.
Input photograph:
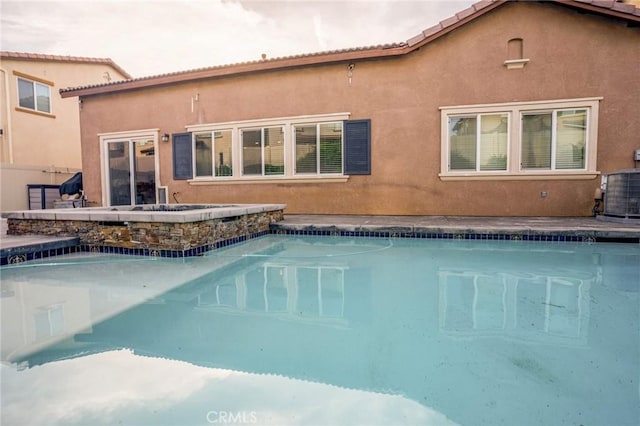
(622, 196)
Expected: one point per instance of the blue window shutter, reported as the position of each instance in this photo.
(182, 156)
(357, 147)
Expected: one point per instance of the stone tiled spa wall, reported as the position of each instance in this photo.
(150, 235)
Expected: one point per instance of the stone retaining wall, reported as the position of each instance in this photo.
(150, 235)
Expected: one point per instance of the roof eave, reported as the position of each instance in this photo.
(344, 56)
(39, 57)
(238, 70)
(415, 43)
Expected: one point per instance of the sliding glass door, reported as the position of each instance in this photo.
(131, 174)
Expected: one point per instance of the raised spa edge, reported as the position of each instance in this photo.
(164, 213)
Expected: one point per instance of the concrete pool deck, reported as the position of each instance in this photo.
(568, 226)
(465, 225)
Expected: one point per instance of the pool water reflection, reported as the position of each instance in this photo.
(290, 330)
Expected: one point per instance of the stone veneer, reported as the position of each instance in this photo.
(149, 231)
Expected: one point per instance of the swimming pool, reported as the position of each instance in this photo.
(327, 330)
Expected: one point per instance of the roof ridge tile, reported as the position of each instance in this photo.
(449, 21)
(465, 13)
(608, 4)
(624, 7)
(482, 4)
(432, 30)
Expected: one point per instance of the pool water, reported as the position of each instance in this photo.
(285, 330)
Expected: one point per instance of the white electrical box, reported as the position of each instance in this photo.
(637, 156)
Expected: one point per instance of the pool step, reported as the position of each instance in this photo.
(18, 249)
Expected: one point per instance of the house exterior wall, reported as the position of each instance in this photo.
(572, 55)
(41, 148)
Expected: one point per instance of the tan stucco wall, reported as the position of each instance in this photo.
(572, 55)
(52, 139)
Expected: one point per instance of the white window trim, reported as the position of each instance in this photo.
(478, 117)
(318, 173)
(287, 124)
(515, 111)
(213, 159)
(262, 129)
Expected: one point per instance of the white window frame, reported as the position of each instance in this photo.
(478, 117)
(262, 130)
(287, 124)
(34, 84)
(554, 136)
(515, 111)
(318, 171)
(213, 158)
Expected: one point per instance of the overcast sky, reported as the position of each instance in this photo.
(150, 37)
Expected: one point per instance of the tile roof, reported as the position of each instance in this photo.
(613, 8)
(613, 5)
(56, 58)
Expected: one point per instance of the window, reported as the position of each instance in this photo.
(300, 149)
(213, 154)
(554, 140)
(318, 148)
(520, 139)
(263, 151)
(478, 142)
(34, 95)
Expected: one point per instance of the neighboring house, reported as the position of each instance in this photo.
(508, 108)
(40, 131)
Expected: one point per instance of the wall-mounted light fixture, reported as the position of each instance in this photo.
(165, 137)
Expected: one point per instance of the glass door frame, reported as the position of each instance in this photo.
(129, 138)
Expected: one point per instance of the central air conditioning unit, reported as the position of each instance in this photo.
(622, 196)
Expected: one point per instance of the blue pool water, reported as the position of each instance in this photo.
(287, 330)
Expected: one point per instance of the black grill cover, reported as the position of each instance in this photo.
(72, 186)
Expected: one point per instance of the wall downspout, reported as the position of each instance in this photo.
(8, 133)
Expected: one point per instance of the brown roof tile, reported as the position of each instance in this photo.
(614, 5)
(608, 4)
(465, 13)
(432, 30)
(482, 4)
(624, 7)
(415, 40)
(58, 58)
(449, 21)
